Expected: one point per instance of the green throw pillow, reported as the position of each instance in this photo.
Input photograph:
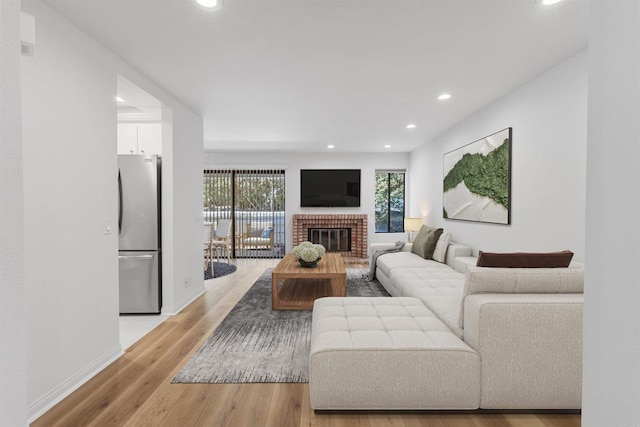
(420, 240)
(425, 242)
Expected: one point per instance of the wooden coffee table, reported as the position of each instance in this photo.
(301, 286)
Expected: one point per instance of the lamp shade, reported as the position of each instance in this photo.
(412, 224)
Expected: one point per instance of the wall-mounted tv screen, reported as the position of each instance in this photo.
(330, 187)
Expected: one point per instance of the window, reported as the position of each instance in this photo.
(389, 201)
(254, 200)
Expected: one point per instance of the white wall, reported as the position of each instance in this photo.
(13, 343)
(293, 162)
(182, 210)
(70, 192)
(70, 162)
(611, 364)
(548, 117)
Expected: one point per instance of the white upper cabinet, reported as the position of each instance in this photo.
(139, 138)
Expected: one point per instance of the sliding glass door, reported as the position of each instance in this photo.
(254, 200)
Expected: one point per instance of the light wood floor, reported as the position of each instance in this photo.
(136, 390)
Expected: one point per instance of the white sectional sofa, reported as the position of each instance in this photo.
(488, 338)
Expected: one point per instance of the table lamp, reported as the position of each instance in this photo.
(411, 225)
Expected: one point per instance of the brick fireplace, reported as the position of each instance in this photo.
(356, 222)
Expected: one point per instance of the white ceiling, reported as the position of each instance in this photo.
(137, 105)
(298, 75)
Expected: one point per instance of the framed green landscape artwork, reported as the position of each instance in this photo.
(477, 180)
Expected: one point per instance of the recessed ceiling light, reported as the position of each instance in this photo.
(210, 4)
(387, 146)
(119, 99)
(330, 146)
(444, 96)
(550, 2)
(410, 126)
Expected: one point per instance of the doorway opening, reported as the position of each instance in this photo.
(140, 121)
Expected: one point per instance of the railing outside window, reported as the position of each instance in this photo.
(254, 199)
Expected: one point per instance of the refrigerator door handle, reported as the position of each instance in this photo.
(136, 256)
(119, 202)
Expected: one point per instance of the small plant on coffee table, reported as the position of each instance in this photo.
(308, 254)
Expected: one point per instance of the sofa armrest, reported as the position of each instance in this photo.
(384, 246)
(527, 339)
(462, 263)
(375, 247)
(454, 251)
(492, 280)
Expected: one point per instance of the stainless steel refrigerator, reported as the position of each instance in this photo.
(140, 248)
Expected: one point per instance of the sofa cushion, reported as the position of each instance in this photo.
(525, 259)
(440, 251)
(425, 242)
(442, 281)
(390, 319)
(388, 353)
(401, 260)
(256, 241)
(440, 289)
(448, 308)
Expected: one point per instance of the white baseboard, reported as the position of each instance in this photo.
(172, 310)
(36, 409)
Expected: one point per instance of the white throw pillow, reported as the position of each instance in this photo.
(440, 251)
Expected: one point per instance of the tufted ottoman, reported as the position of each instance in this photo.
(389, 354)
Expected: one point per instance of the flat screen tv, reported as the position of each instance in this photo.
(329, 188)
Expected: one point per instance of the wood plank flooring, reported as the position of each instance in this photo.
(136, 390)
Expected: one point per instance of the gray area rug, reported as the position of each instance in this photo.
(255, 344)
(219, 269)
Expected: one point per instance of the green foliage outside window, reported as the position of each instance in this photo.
(217, 191)
(253, 192)
(259, 193)
(389, 200)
